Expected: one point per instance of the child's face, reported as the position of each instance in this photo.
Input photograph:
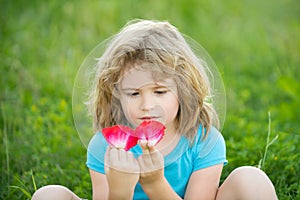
(144, 99)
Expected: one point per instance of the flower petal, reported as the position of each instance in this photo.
(120, 136)
(152, 131)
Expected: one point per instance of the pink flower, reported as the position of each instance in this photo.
(152, 131)
(120, 137)
(123, 137)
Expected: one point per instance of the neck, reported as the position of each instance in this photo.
(169, 141)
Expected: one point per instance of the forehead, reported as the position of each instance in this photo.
(136, 78)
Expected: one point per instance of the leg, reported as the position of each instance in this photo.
(51, 192)
(246, 183)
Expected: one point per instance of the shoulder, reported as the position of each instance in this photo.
(95, 153)
(209, 150)
(214, 141)
(97, 142)
(202, 138)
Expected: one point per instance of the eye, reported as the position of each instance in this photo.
(159, 92)
(133, 94)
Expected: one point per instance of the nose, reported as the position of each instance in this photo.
(147, 102)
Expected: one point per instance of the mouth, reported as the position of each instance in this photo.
(149, 118)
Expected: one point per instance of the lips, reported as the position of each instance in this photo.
(147, 118)
(123, 137)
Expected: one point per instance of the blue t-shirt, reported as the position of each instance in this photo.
(179, 164)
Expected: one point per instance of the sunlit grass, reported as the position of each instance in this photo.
(255, 44)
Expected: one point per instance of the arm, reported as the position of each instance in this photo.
(99, 185)
(122, 174)
(209, 159)
(204, 183)
(159, 189)
(152, 179)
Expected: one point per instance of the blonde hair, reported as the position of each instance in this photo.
(170, 56)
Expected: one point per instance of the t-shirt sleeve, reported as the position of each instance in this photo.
(209, 151)
(96, 152)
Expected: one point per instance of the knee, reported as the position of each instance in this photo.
(247, 172)
(251, 180)
(52, 192)
(247, 175)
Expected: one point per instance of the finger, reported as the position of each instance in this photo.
(145, 161)
(133, 160)
(130, 156)
(122, 155)
(113, 159)
(151, 148)
(157, 159)
(144, 146)
(141, 164)
(153, 152)
(106, 158)
(106, 155)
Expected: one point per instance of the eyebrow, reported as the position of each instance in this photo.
(128, 89)
(155, 87)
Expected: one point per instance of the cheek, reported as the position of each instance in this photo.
(171, 109)
(128, 108)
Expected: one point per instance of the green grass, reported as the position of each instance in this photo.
(254, 43)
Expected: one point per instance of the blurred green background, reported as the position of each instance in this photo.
(254, 43)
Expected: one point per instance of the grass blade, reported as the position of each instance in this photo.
(26, 193)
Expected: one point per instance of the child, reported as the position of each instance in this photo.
(149, 73)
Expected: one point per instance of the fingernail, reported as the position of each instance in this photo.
(143, 142)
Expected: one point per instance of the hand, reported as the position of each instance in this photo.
(151, 165)
(122, 173)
